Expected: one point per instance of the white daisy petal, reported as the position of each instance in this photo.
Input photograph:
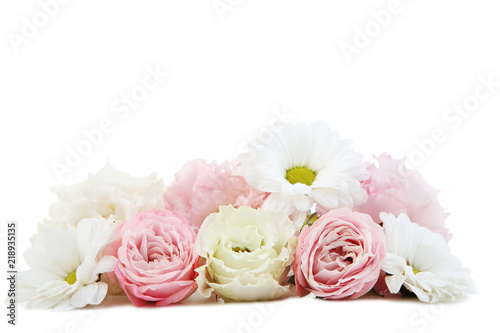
(421, 261)
(279, 202)
(90, 235)
(309, 161)
(92, 294)
(394, 283)
(393, 264)
(64, 305)
(83, 296)
(325, 197)
(102, 289)
(67, 278)
(302, 203)
(105, 265)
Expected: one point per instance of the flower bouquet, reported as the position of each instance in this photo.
(298, 213)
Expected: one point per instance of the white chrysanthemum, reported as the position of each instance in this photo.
(420, 260)
(245, 254)
(302, 164)
(65, 265)
(109, 194)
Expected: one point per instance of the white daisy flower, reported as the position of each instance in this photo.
(420, 260)
(304, 164)
(65, 265)
(109, 195)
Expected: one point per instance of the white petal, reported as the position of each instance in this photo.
(93, 293)
(394, 282)
(268, 237)
(393, 264)
(54, 252)
(326, 198)
(279, 202)
(302, 202)
(105, 265)
(102, 289)
(107, 193)
(91, 236)
(441, 276)
(338, 169)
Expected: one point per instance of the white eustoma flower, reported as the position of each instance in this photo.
(65, 265)
(245, 254)
(304, 164)
(420, 260)
(109, 194)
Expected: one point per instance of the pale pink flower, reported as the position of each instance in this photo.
(200, 188)
(339, 256)
(156, 257)
(395, 189)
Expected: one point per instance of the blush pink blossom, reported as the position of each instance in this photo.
(339, 256)
(395, 189)
(156, 257)
(200, 188)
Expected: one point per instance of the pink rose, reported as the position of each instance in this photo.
(200, 188)
(395, 189)
(156, 258)
(339, 256)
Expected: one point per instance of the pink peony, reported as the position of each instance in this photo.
(200, 188)
(395, 189)
(339, 256)
(156, 257)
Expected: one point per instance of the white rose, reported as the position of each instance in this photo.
(109, 194)
(245, 254)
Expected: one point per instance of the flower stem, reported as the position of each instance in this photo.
(310, 220)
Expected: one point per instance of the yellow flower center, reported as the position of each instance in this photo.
(300, 175)
(415, 271)
(71, 278)
(239, 249)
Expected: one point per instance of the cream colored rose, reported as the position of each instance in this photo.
(245, 254)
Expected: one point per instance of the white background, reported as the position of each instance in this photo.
(229, 75)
